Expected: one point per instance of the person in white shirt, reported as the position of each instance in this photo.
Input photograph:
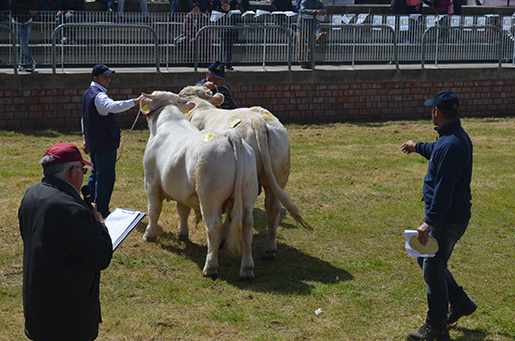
(102, 135)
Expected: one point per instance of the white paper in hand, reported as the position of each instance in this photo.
(415, 249)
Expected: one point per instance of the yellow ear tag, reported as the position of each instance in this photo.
(208, 137)
(270, 117)
(145, 108)
(185, 111)
(235, 123)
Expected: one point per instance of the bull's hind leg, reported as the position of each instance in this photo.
(273, 210)
(213, 223)
(155, 205)
(184, 213)
(247, 263)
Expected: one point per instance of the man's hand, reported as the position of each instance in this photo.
(209, 85)
(85, 149)
(137, 100)
(409, 147)
(422, 232)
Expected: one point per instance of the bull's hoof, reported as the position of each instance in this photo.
(269, 254)
(247, 273)
(211, 273)
(150, 237)
(182, 238)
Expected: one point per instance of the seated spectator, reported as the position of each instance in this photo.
(282, 6)
(193, 22)
(67, 14)
(242, 5)
(189, 3)
(142, 4)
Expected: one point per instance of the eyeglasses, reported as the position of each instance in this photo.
(83, 169)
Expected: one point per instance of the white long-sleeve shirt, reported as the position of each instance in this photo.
(106, 105)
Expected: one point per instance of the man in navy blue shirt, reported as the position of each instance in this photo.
(101, 133)
(447, 213)
(214, 77)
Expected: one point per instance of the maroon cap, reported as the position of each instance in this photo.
(64, 152)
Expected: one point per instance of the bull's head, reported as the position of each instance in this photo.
(192, 92)
(149, 104)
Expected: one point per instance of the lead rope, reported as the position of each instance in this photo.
(127, 137)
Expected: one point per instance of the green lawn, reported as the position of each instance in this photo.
(357, 190)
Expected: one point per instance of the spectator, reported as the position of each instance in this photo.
(65, 246)
(22, 12)
(142, 4)
(193, 22)
(189, 3)
(102, 135)
(242, 5)
(228, 36)
(67, 15)
(4, 10)
(213, 81)
(306, 25)
(399, 7)
(108, 3)
(446, 194)
(281, 6)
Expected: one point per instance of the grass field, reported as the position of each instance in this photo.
(357, 190)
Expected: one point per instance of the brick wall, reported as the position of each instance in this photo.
(47, 100)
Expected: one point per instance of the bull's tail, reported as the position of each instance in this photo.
(262, 140)
(234, 237)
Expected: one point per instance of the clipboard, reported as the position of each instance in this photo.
(121, 222)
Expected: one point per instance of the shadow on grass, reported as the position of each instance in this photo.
(293, 272)
(476, 335)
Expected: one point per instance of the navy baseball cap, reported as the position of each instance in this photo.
(444, 100)
(100, 69)
(217, 69)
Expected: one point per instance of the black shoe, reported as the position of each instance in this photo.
(229, 67)
(429, 333)
(455, 313)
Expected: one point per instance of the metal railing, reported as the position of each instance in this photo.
(263, 39)
(110, 45)
(439, 34)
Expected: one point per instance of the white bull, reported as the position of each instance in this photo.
(207, 171)
(269, 140)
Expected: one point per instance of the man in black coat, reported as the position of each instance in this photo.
(65, 246)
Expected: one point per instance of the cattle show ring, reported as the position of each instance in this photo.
(283, 219)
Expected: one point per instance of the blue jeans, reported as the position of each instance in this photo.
(109, 3)
(442, 289)
(102, 178)
(23, 36)
(71, 18)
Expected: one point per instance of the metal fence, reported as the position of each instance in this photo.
(261, 38)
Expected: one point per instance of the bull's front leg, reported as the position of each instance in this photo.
(273, 210)
(155, 205)
(184, 213)
(247, 263)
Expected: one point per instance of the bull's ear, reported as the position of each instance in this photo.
(149, 96)
(217, 99)
(185, 107)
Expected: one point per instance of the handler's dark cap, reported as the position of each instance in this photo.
(444, 100)
(64, 152)
(100, 69)
(217, 69)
